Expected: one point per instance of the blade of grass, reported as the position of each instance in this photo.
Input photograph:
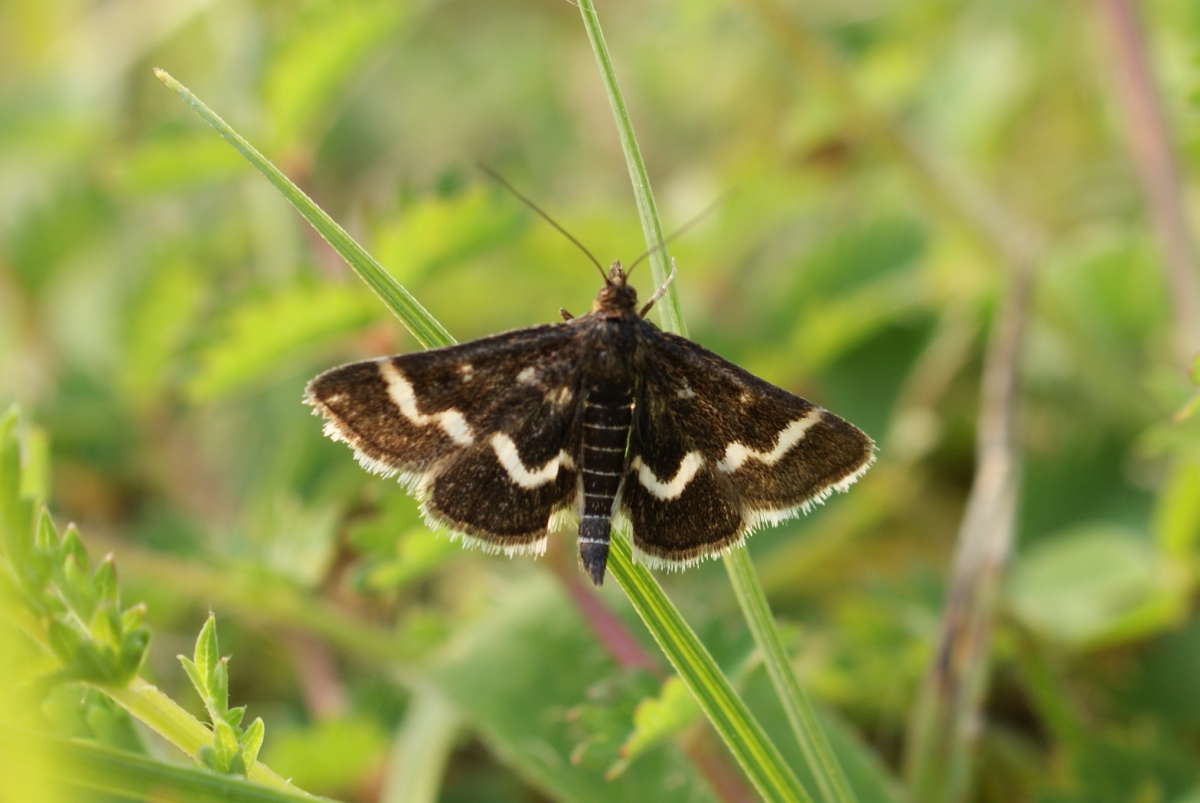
(759, 758)
(93, 769)
(421, 750)
(669, 311)
(737, 727)
(746, 586)
(423, 326)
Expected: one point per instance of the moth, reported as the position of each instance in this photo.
(603, 417)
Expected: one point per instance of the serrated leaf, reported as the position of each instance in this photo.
(225, 743)
(72, 548)
(46, 537)
(158, 320)
(104, 627)
(262, 334)
(133, 653)
(219, 685)
(76, 585)
(656, 720)
(133, 617)
(206, 654)
(194, 673)
(234, 715)
(104, 582)
(252, 741)
(310, 72)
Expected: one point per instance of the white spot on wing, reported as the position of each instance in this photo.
(467, 370)
(528, 376)
(671, 489)
(738, 453)
(685, 392)
(518, 472)
(400, 391)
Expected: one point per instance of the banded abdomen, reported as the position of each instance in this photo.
(607, 416)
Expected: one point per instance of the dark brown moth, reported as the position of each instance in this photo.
(602, 418)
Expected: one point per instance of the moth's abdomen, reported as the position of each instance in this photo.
(607, 416)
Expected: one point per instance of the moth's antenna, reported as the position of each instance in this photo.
(504, 183)
(703, 213)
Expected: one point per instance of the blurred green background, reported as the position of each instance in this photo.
(161, 308)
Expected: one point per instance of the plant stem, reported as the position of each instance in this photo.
(668, 306)
(737, 727)
(746, 586)
(814, 744)
(945, 725)
(93, 769)
(169, 720)
(1157, 168)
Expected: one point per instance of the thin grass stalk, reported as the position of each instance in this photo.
(946, 722)
(1157, 167)
(759, 758)
(814, 744)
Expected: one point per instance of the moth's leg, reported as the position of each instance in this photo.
(566, 316)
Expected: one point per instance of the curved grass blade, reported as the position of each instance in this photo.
(749, 592)
(423, 326)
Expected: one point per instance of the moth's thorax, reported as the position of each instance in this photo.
(616, 298)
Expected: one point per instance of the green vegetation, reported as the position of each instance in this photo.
(935, 225)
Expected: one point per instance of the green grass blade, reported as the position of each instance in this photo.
(668, 306)
(423, 326)
(800, 714)
(93, 769)
(750, 595)
(737, 727)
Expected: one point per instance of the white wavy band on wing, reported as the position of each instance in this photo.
(518, 472)
(672, 488)
(400, 391)
(738, 453)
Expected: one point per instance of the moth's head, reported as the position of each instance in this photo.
(615, 297)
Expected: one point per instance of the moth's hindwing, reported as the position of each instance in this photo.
(484, 434)
(716, 452)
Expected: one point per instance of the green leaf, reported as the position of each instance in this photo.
(206, 655)
(225, 745)
(104, 583)
(261, 335)
(158, 320)
(1096, 585)
(175, 163)
(252, 739)
(96, 772)
(1177, 512)
(195, 674)
(234, 715)
(657, 719)
(520, 708)
(312, 70)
